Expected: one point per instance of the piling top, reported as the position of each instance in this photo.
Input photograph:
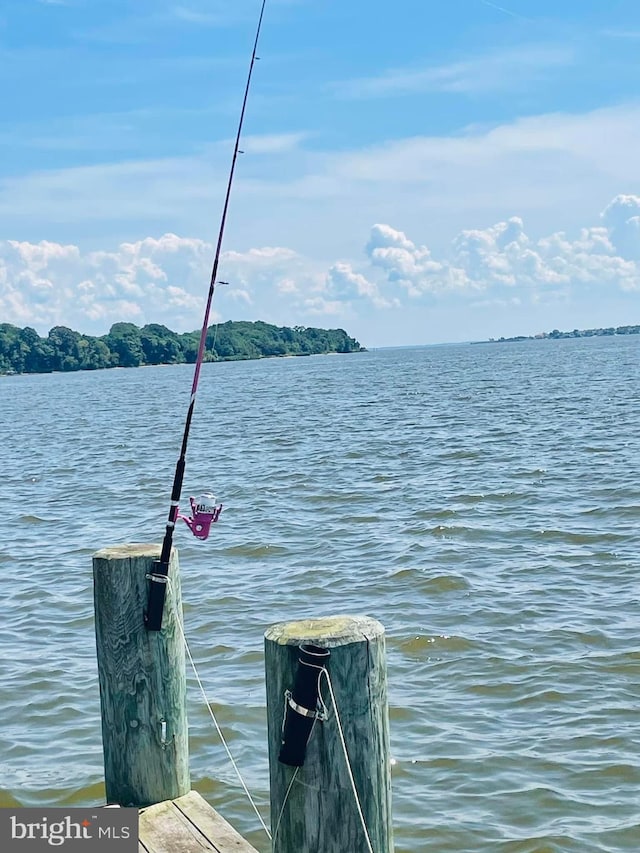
(328, 631)
(129, 551)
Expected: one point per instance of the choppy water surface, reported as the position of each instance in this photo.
(481, 501)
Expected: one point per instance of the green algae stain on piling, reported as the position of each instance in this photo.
(142, 680)
(313, 807)
(332, 630)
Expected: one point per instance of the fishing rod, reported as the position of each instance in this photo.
(204, 510)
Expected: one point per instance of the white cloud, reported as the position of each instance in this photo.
(271, 271)
(622, 218)
(346, 285)
(274, 143)
(548, 169)
(195, 16)
(503, 257)
(621, 34)
(165, 279)
(320, 306)
(507, 70)
(48, 284)
(409, 266)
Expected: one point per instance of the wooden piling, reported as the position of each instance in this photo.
(142, 680)
(317, 810)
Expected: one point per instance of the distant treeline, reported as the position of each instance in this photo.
(126, 345)
(576, 333)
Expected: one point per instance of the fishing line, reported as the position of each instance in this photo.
(178, 621)
(158, 578)
(284, 802)
(215, 331)
(506, 11)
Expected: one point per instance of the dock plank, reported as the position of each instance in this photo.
(213, 825)
(188, 824)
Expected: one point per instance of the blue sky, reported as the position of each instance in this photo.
(414, 172)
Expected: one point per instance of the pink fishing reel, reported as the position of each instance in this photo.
(204, 513)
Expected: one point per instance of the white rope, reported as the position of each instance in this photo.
(324, 672)
(346, 756)
(215, 723)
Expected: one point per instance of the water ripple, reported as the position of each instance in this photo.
(482, 502)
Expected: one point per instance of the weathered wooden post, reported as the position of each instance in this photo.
(142, 680)
(317, 809)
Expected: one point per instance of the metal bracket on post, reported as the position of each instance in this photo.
(306, 703)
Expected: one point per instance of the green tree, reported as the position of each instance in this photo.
(124, 342)
(160, 345)
(23, 351)
(39, 358)
(64, 348)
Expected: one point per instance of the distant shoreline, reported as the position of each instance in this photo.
(23, 351)
(610, 331)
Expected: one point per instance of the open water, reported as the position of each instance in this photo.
(481, 501)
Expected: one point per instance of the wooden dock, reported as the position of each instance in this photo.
(188, 825)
